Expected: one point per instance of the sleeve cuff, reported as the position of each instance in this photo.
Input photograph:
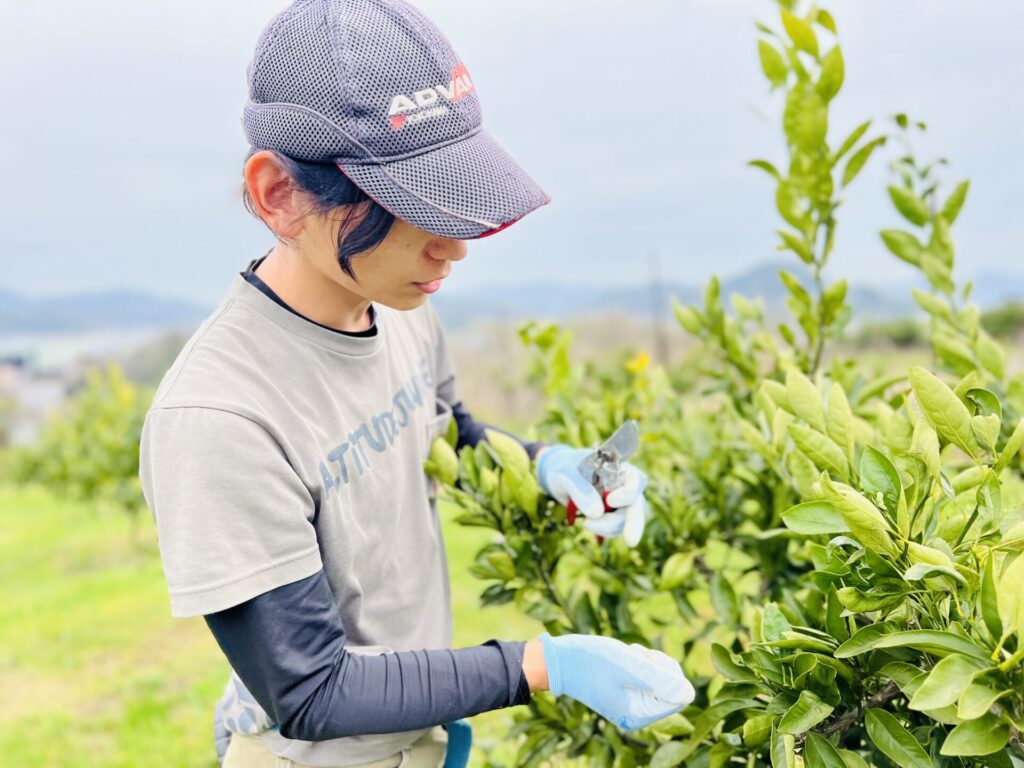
(522, 691)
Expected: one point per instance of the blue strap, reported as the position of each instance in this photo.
(460, 741)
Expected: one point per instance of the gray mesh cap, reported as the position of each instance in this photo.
(374, 86)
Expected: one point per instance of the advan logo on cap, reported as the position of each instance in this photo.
(424, 105)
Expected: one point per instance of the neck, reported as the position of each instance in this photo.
(311, 293)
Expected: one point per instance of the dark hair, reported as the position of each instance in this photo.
(329, 188)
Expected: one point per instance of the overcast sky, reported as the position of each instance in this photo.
(121, 145)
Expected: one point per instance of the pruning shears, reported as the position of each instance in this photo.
(602, 467)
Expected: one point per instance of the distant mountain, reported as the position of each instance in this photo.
(556, 302)
(93, 311)
(502, 302)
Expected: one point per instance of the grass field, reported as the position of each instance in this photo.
(93, 669)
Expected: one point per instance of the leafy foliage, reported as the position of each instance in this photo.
(833, 558)
(89, 451)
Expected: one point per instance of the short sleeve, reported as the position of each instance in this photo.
(233, 518)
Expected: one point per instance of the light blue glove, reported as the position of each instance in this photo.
(558, 474)
(628, 685)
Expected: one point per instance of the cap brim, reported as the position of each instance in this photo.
(464, 190)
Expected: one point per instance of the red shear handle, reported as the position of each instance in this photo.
(571, 510)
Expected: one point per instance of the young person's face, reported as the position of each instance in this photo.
(401, 272)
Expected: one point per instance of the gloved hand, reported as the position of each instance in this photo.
(628, 685)
(559, 476)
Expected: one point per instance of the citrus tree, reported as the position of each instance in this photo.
(833, 554)
(89, 449)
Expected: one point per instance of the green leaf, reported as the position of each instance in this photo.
(688, 317)
(757, 730)
(903, 675)
(834, 621)
(850, 140)
(903, 245)
(676, 570)
(798, 291)
(804, 399)
(820, 449)
(783, 750)
(831, 79)
(863, 640)
(852, 759)
(919, 553)
(941, 242)
(1013, 445)
(797, 245)
(977, 700)
(814, 517)
(444, 461)
(1011, 598)
(944, 410)
(767, 167)
(854, 600)
(859, 159)
(728, 667)
(878, 475)
(511, 454)
(800, 33)
(955, 201)
(819, 753)
(990, 501)
(723, 599)
(711, 717)
(893, 740)
(938, 273)
(990, 601)
(776, 392)
(931, 641)
(983, 736)
(948, 679)
(991, 354)
(774, 625)
(773, 64)
(832, 299)
(923, 571)
(866, 523)
(517, 479)
(951, 350)
(669, 755)
(452, 433)
(932, 304)
(824, 18)
(790, 206)
(840, 418)
(910, 206)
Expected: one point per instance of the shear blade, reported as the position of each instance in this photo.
(602, 467)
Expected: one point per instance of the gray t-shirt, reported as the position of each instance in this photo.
(275, 447)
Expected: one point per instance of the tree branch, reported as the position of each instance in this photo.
(847, 719)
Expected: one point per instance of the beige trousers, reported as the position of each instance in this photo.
(427, 751)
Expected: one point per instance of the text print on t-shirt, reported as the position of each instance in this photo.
(379, 432)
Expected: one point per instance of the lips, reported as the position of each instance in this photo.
(431, 286)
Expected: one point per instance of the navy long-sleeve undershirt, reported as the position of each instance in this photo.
(288, 647)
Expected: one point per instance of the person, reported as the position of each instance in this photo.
(282, 457)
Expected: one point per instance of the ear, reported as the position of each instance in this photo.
(274, 196)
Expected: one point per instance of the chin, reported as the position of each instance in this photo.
(404, 301)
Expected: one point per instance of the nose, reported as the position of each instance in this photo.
(445, 249)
